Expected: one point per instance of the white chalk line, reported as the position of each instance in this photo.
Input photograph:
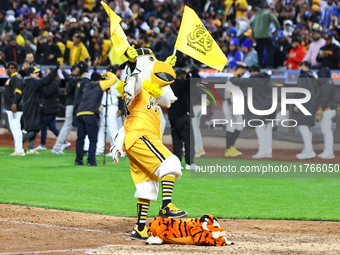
(37, 252)
(54, 226)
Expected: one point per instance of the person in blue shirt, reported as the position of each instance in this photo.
(235, 54)
(329, 11)
(250, 55)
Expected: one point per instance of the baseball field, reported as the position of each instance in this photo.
(48, 205)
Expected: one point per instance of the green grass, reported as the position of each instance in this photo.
(52, 181)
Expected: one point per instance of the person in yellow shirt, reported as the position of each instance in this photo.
(235, 8)
(144, 89)
(101, 51)
(78, 51)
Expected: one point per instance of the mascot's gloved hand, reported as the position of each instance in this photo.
(117, 149)
(171, 60)
(132, 53)
(319, 114)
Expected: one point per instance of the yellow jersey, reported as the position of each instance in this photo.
(77, 52)
(143, 119)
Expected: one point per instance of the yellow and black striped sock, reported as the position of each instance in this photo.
(168, 182)
(142, 212)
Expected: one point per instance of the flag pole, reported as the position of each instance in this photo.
(175, 50)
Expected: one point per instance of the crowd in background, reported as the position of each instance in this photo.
(247, 31)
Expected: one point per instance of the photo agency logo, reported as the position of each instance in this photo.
(213, 94)
(238, 101)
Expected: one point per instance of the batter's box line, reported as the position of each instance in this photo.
(54, 226)
(37, 252)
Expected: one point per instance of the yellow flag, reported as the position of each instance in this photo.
(118, 37)
(115, 59)
(195, 41)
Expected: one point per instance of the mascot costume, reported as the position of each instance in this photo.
(204, 230)
(146, 87)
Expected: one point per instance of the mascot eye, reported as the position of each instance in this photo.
(151, 58)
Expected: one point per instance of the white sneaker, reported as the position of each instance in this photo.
(56, 151)
(190, 167)
(262, 155)
(65, 145)
(306, 155)
(40, 148)
(326, 156)
(17, 154)
(33, 151)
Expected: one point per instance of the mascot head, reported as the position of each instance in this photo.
(154, 70)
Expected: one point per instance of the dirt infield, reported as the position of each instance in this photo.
(28, 230)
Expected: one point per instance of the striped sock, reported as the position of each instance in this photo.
(168, 182)
(142, 212)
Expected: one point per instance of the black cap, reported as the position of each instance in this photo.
(296, 39)
(306, 63)
(254, 68)
(95, 76)
(74, 67)
(78, 35)
(32, 69)
(83, 67)
(112, 68)
(11, 64)
(328, 36)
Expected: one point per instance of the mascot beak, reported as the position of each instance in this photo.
(162, 74)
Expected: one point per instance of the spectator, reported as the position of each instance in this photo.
(26, 34)
(29, 62)
(101, 51)
(48, 52)
(288, 28)
(235, 55)
(329, 54)
(289, 12)
(314, 49)
(329, 12)
(166, 43)
(315, 14)
(235, 8)
(295, 55)
(250, 55)
(262, 35)
(14, 52)
(281, 49)
(5, 26)
(51, 109)
(78, 51)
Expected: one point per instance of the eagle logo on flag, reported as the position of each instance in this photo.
(201, 37)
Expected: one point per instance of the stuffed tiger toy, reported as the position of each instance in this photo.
(204, 230)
